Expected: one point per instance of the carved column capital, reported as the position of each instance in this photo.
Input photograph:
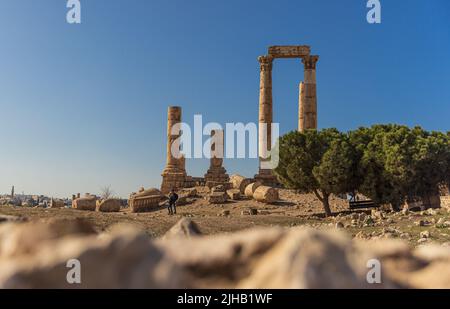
(265, 63)
(310, 62)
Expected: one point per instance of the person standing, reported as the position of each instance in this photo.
(173, 197)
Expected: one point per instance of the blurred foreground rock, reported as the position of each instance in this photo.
(35, 255)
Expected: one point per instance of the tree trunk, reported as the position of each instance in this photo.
(325, 201)
(326, 206)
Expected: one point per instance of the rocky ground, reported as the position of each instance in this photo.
(293, 209)
(36, 255)
(240, 244)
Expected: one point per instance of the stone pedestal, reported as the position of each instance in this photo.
(216, 172)
(174, 174)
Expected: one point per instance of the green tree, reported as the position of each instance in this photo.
(431, 163)
(319, 162)
(397, 163)
(374, 181)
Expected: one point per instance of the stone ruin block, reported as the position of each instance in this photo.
(240, 182)
(266, 194)
(55, 203)
(289, 51)
(108, 205)
(189, 192)
(217, 198)
(88, 203)
(251, 188)
(234, 194)
(212, 184)
(445, 201)
(145, 200)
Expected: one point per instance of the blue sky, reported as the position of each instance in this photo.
(84, 106)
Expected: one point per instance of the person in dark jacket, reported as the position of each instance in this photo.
(173, 197)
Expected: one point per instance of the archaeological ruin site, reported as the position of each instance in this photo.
(230, 231)
(182, 152)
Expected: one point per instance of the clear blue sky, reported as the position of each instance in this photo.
(84, 106)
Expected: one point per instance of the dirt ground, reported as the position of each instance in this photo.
(292, 210)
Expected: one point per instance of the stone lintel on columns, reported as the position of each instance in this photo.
(289, 51)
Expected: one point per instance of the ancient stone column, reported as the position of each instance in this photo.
(265, 118)
(216, 173)
(301, 111)
(308, 95)
(174, 174)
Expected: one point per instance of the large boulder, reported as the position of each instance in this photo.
(56, 203)
(108, 205)
(85, 203)
(184, 228)
(124, 258)
(26, 238)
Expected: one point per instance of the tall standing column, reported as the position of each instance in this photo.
(301, 107)
(265, 118)
(308, 95)
(265, 108)
(174, 174)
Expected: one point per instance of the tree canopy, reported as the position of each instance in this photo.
(389, 164)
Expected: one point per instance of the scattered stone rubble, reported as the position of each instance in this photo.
(34, 255)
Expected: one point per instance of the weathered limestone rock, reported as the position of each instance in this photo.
(234, 194)
(184, 200)
(249, 212)
(35, 255)
(445, 201)
(26, 238)
(85, 203)
(56, 203)
(189, 192)
(266, 194)
(307, 260)
(219, 188)
(183, 228)
(224, 213)
(217, 197)
(145, 200)
(122, 259)
(240, 182)
(216, 172)
(213, 184)
(109, 205)
(251, 188)
(6, 218)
